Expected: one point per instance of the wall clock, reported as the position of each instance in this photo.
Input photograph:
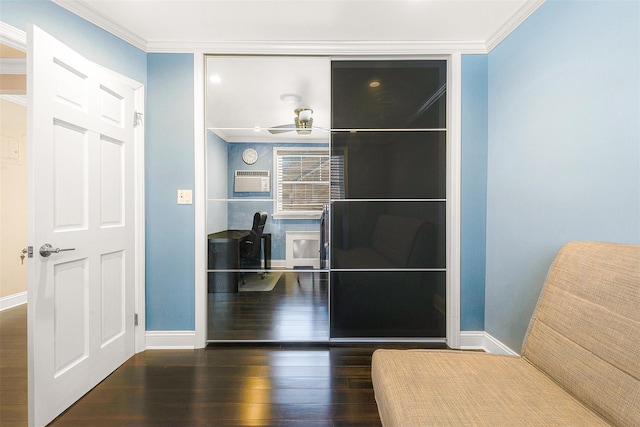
(250, 156)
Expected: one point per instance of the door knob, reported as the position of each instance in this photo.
(47, 249)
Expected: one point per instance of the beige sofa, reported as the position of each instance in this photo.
(580, 363)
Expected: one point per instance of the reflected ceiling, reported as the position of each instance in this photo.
(247, 95)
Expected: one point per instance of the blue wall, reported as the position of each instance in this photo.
(564, 147)
(474, 191)
(550, 135)
(85, 38)
(239, 210)
(169, 166)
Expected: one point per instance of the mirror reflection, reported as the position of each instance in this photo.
(268, 164)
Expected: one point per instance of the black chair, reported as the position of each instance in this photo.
(250, 246)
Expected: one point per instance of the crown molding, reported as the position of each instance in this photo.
(319, 47)
(88, 13)
(13, 37)
(512, 23)
(16, 99)
(82, 9)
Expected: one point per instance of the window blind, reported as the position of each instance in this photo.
(302, 180)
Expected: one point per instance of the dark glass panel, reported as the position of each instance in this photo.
(388, 235)
(392, 304)
(408, 94)
(388, 165)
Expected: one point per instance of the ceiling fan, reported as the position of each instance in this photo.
(301, 123)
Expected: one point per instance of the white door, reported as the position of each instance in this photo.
(81, 201)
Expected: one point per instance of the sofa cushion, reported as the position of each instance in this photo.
(447, 388)
(584, 332)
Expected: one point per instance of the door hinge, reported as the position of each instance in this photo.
(135, 319)
(137, 118)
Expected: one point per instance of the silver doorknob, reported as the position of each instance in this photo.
(47, 249)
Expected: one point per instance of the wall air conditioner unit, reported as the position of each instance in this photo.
(252, 182)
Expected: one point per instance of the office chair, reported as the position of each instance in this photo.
(250, 246)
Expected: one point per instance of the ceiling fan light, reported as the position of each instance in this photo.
(304, 115)
(303, 127)
(290, 98)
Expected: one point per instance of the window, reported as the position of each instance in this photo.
(302, 182)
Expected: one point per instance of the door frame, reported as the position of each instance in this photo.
(17, 39)
(454, 165)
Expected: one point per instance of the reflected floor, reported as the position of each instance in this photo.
(295, 310)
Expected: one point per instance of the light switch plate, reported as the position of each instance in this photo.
(185, 197)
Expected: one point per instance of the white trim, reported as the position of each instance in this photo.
(88, 13)
(16, 99)
(140, 220)
(13, 37)
(324, 48)
(512, 23)
(454, 101)
(493, 345)
(481, 340)
(14, 300)
(454, 113)
(473, 340)
(171, 340)
(199, 202)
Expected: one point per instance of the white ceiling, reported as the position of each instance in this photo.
(249, 93)
(179, 25)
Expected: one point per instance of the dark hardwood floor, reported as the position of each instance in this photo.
(234, 386)
(295, 310)
(221, 385)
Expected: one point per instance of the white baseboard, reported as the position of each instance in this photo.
(176, 340)
(480, 340)
(14, 300)
(170, 340)
(278, 263)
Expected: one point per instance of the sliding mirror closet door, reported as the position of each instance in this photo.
(389, 202)
(268, 159)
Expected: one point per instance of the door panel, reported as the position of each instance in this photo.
(71, 340)
(81, 198)
(69, 177)
(389, 240)
(112, 180)
(113, 289)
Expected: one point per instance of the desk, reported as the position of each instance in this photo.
(224, 254)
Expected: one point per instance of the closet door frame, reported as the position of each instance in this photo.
(453, 187)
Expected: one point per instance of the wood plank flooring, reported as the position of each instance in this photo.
(13, 366)
(221, 385)
(235, 386)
